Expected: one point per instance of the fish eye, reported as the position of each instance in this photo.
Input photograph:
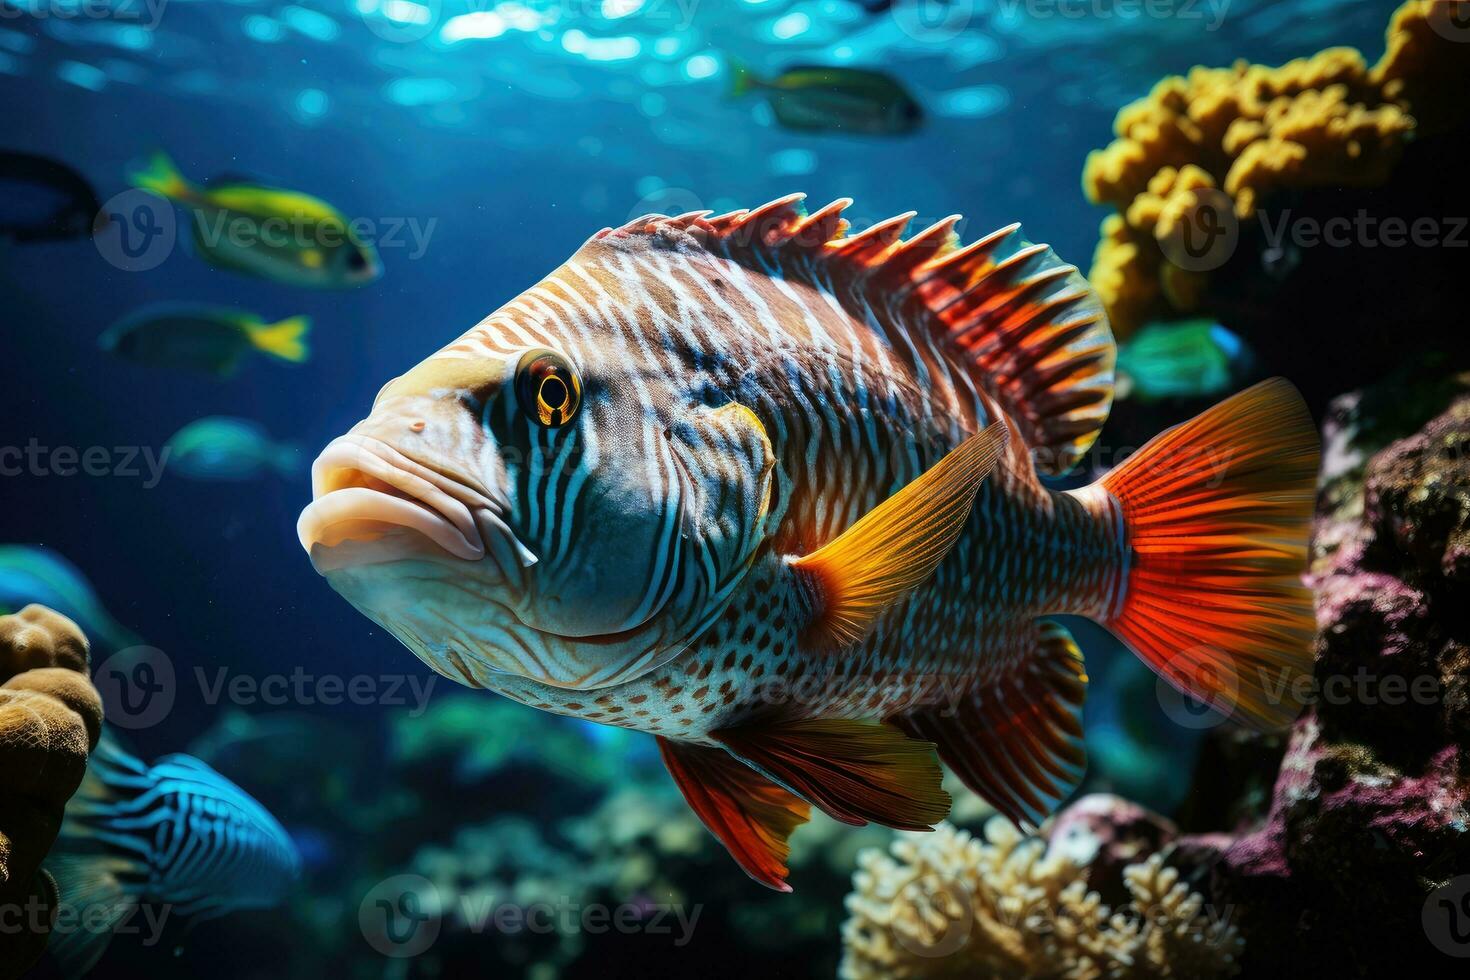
(547, 388)
(356, 261)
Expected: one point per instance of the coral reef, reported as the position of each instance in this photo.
(50, 719)
(951, 905)
(1229, 139)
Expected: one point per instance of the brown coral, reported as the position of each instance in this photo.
(1249, 131)
(950, 905)
(50, 719)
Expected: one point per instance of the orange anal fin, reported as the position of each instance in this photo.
(1018, 743)
(897, 545)
(751, 816)
(854, 771)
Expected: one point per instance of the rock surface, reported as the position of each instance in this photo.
(1369, 814)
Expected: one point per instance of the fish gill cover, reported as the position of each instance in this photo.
(779, 523)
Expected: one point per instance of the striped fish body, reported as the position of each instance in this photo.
(175, 834)
(852, 417)
(771, 493)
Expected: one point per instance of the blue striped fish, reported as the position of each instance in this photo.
(771, 492)
(175, 834)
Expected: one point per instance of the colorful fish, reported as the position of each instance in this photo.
(1188, 359)
(814, 98)
(770, 492)
(282, 235)
(176, 834)
(204, 338)
(218, 447)
(40, 575)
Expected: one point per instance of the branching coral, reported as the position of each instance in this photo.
(1248, 131)
(951, 905)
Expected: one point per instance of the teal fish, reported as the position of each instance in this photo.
(1189, 359)
(42, 576)
(223, 448)
(282, 235)
(215, 340)
(844, 100)
(175, 834)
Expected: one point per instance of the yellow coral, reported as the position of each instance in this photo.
(1427, 65)
(1248, 131)
(947, 904)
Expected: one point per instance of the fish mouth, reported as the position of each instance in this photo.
(372, 504)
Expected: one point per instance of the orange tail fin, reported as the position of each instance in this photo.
(1218, 513)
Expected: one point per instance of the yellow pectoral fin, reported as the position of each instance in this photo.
(286, 339)
(898, 544)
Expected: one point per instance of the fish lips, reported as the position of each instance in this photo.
(372, 504)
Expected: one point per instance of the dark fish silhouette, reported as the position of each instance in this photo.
(42, 200)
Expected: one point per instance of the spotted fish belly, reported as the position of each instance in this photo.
(1026, 553)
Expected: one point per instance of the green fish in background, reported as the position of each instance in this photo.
(813, 98)
(205, 338)
(30, 574)
(1188, 359)
(221, 448)
(282, 235)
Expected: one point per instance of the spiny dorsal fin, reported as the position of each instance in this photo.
(1026, 325)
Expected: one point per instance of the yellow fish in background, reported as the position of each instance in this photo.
(212, 339)
(818, 98)
(282, 235)
(770, 492)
